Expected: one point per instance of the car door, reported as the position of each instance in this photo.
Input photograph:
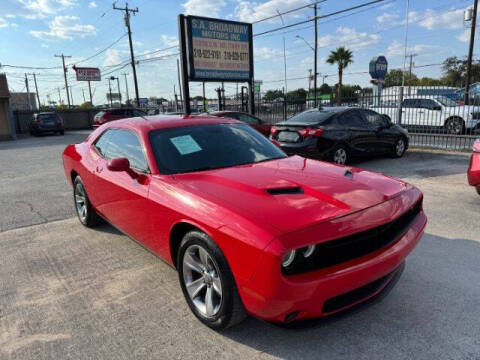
(410, 112)
(384, 138)
(362, 134)
(430, 113)
(123, 198)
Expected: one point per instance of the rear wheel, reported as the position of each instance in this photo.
(86, 213)
(207, 282)
(339, 155)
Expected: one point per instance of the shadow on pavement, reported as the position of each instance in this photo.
(432, 313)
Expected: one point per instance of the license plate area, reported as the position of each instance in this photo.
(288, 136)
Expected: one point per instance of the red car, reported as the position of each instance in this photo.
(250, 230)
(115, 114)
(474, 168)
(251, 120)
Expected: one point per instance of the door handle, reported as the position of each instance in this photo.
(421, 112)
(99, 169)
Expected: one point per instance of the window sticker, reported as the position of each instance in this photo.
(185, 144)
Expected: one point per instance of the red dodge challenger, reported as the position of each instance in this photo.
(250, 230)
(474, 168)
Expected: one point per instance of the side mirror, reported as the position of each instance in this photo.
(118, 164)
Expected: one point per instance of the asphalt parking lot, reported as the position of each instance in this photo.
(68, 292)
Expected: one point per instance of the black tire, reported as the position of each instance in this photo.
(455, 126)
(33, 133)
(339, 155)
(399, 148)
(62, 132)
(90, 218)
(229, 308)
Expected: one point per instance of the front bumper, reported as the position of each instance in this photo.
(273, 296)
(474, 170)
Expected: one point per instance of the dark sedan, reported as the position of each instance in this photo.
(340, 133)
(46, 122)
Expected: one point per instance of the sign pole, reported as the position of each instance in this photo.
(183, 60)
(90, 92)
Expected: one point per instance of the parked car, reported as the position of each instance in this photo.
(116, 114)
(249, 229)
(436, 112)
(474, 168)
(251, 120)
(46, 122)
(338, 134)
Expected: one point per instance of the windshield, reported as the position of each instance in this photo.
(446, 101)
(205, 147)
(311, 117)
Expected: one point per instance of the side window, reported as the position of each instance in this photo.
(374, 119)
(410, 103)
(248, 119)
(138, 113)
(428, 104)
(103, 143)
(117, 112)
(125, 144)
(352, 119)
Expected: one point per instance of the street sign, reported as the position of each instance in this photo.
(114, 96)
(378, 67)
(87, 73)
(218, 50)
(142, 101)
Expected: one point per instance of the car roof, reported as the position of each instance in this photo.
(155, 122)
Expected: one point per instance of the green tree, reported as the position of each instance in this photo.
(298, 95)
(394, 78)
(342, 57)
(273, 94)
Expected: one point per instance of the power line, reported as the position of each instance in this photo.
(101, 51)
(288, 11)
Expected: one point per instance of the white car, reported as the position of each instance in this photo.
(435, 111)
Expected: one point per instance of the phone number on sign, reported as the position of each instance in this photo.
(220, 55)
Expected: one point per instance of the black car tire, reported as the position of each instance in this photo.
(229, 308)
(398, 150)
(339, 155)
(33, 133)
(90, 218)
(455, 126)
(61, 132)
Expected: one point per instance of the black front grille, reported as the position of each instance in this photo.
(351, 297)
(354, 246)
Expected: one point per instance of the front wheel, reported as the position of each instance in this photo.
(207, 282)
(399, 148)
(455, 126)
(339, 155)
(86, 214)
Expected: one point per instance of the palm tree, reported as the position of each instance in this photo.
(342, 57)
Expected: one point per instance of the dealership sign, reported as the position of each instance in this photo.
(87, 73)
(378, 67)
(218, 50)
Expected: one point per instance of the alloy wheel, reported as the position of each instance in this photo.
(340, 156)
(81, 202)
(400, 147)
(202, 280)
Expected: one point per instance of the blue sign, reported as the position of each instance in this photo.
(378, 67)
(219, 50)
(142, 101)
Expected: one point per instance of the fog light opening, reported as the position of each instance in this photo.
(290, 317)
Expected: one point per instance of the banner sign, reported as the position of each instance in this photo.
(219, 50)
(87, 73)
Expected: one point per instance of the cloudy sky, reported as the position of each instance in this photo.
(33, 31)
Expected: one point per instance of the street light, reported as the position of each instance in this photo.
(306, 42)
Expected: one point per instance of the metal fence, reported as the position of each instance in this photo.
(435, 117)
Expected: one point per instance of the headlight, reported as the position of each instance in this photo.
(288, 258)
(308, 251)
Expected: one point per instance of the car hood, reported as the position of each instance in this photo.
(294, 192)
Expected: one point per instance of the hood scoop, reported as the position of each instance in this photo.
(285, 190)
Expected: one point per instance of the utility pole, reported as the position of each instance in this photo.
(315, 70)
(118, 87)
(204, 99)
(470, 51)
(132, 56)
(90, 93)
(65, 76)
(83, 94)
(71, 95)
(110, 91)
(36, 89)
(411, 56)
(59, 97)
(28, 93)
(126, 88)
(284, 55)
